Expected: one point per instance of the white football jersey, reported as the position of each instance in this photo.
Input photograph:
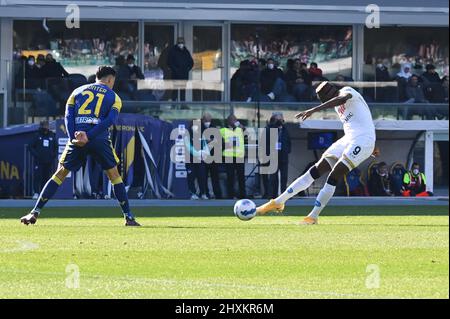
(355, 115)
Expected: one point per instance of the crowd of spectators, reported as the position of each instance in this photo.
(293, 84)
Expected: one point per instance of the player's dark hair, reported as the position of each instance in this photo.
(415, 164)
(104, 71)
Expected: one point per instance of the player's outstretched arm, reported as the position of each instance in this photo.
(338, 100)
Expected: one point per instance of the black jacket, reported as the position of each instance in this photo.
(292, 76)
(54, 70)
(124, 72)
(268, 78)
(284, 143)
(379, 185)
(44, 147)
(180, 62)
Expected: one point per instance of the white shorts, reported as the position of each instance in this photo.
(350, 152)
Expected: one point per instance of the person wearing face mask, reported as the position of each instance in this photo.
(212, 169)
(32, 74)
(43, 148)
(128, 75)
(277, 180)
(380, 183)
(273, 86)
(233, 155)
(197, 150)
(180, 63)
(415, 183)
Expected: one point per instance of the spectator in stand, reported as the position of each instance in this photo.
(32, 74)
(315, 73)
(382, 71)
(180, 63)
(415, 183)
(244, 82)
(430, 75)
(380, 184)
(384, 93)
(414, 91)
(134, 72)
(415, 94)
(272, 84)
(405, 72)
(434, 91)
(445, 85)
(128, 75)
(298, 81)
(53, 69)
(44, 149)
(402, 79)
(41, 69)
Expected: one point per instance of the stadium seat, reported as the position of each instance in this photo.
(397, 172)
(371, 170)
(354, 183)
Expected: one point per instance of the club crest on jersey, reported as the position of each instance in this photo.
(341, 109)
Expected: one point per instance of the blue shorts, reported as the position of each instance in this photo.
(100, 149)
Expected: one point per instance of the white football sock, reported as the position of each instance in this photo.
(322, 200)
(300, 184)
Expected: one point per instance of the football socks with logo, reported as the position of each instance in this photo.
(47, 192)
(322, 200)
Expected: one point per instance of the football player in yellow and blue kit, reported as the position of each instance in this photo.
(91, 109)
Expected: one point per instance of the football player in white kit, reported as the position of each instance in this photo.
(351, 150)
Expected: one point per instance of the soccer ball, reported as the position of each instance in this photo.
(245, 209)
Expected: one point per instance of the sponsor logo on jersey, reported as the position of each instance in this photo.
(87, 120)
(348, 117)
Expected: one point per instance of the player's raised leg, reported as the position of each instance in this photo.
(300, 184)
(325, 194)
(121, 195)
(47, 193)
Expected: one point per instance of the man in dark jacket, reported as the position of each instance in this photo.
(380, 184)
(129, 73)
(43, 147)
(272, 82)
(434, 91)
(54, 69)
(298, 81)
(283, 145)
(180, 63)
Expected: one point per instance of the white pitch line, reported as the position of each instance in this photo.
(203, 284)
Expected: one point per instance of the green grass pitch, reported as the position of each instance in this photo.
(205, 252)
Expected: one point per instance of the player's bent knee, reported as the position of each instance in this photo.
(339, 170)
(60, 175)
(315, 173)
(114, 176)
